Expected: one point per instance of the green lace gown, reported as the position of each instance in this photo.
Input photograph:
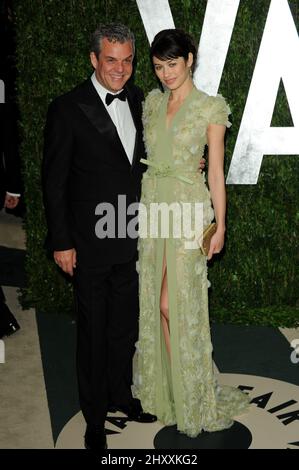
(182, 391)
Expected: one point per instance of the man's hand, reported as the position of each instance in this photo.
(10, 202)
(202, 164)
(66, 260)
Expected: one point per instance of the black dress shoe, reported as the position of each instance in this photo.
(8, 323)
(134, 412)
(95, 439)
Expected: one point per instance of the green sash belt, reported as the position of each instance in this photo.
(162, 170)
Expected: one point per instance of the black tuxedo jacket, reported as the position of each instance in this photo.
(85, 164)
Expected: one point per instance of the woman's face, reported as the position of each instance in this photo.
(173, 72)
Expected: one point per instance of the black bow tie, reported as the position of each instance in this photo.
(121, 96)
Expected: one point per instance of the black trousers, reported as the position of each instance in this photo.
(107, 330)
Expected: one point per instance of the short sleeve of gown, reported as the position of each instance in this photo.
(219, 111)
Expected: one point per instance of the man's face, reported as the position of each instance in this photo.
(113, 67)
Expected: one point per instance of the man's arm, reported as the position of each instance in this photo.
(58, 148)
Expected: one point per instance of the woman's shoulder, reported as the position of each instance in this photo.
(215, 107)
(154, 97)
(210, 100)
(218, 101)
(152, 101)
(200, 101)
(219, 110)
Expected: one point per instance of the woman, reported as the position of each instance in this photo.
(174, 376)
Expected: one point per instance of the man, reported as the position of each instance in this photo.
(93, 145)
(9, 193)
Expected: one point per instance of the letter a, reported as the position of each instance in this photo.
(278, 59)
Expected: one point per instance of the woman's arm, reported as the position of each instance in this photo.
(216, 181)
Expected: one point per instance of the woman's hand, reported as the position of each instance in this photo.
(217, 242)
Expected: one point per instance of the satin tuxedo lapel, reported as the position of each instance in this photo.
(136, 115)
(95, 111)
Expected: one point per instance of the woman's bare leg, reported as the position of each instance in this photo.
(164, 308)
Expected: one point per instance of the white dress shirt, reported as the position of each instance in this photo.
(120, 114)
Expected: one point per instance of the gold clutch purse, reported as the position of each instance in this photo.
(204, 242)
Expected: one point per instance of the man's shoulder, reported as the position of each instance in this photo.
(135, 91)
(72, 96)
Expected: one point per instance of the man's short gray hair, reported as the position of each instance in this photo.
(114, 32)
